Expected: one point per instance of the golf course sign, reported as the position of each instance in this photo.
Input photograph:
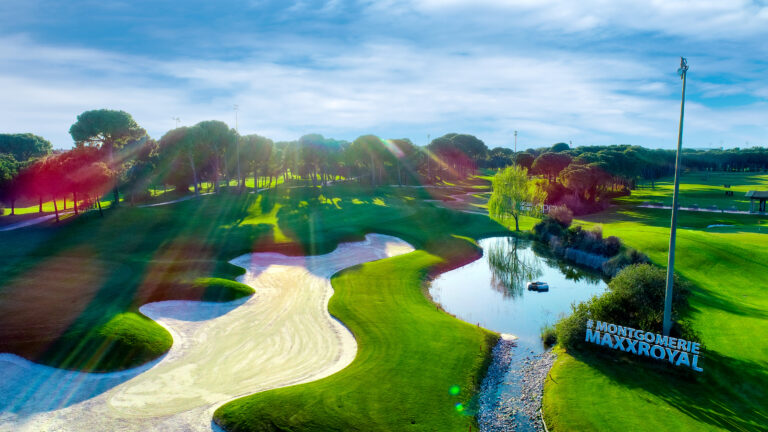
(678, 352)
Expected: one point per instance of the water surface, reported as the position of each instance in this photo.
(492, 291)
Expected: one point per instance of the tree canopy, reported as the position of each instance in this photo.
(514, 194)
(24, 146)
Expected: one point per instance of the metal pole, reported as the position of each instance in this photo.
(515, 148)
(673, 229)
(515, 141)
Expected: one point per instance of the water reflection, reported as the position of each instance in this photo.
(491, 291)
(511, 270)
(571, 272)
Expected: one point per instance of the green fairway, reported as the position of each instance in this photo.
(702, 189)
(409, 353)
(729, 309)
(103, 269)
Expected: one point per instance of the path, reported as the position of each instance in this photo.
(699, 209)
(41, 219)
(30, 222)
(282, 335)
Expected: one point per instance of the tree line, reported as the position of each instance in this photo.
(112, 152)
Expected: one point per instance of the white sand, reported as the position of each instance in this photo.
(282, 335)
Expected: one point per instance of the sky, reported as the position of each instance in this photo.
(589, 72)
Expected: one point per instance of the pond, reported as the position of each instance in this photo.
(492, 292)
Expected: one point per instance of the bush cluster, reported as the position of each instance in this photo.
(548, 336)
(561, 214)
(635, 298)
(630, 256)
(586, 247)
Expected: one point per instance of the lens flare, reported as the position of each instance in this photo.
(459, 407)
(454, 390)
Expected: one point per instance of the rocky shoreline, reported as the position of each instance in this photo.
(510, 395)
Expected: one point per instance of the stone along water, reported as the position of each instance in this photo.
(492, 293)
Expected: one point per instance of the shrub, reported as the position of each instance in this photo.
(547, 228)
(635, 298)
(555, 192)
(612, 267)
(611, 246)
(548, 336)
(574, 203)
(561, 214)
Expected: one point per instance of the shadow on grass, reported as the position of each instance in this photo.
(712, 299)
(730, 394)
(697, 221)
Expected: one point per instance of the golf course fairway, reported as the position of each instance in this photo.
(282, 335)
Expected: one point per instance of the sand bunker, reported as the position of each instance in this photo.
(282, 335)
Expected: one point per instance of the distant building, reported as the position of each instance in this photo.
(761, 197)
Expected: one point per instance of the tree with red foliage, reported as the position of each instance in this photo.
(84, 171)
(109, 131)
(550, 165)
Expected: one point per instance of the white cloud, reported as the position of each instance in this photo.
(701, 19)
(390, 88)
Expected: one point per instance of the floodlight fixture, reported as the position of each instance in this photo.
(683, 71)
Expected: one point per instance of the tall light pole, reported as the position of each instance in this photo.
(177, 120)
(237, 150)
(515, 148)
(673, 230)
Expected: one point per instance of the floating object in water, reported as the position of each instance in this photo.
(538, 286)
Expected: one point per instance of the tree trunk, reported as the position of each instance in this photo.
(40, 204)
(517, 226)
(55, 209)
(98, 202)
(74, 202)
(226, 171)
(194, 172)
(216, 175)
(399, 179)
(373, 172)
(13, 207)
(111, 161)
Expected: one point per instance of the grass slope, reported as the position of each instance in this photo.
(703, 189)
(729, 308)
(103, 269)
(409, 356)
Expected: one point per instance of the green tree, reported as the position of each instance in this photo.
(524, 159)
(211, 139)
(24, 146)
(514, 194)
(9, 172)
(366, 150)
(550, 165)
(110, 131)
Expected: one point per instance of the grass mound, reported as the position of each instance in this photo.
(410, 354)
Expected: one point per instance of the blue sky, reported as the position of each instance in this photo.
(590, 72)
